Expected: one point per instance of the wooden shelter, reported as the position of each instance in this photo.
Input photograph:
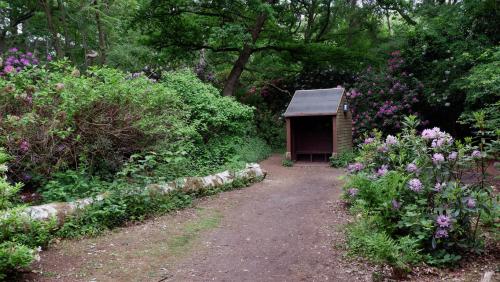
(318, 124)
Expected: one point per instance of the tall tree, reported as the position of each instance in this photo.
(101, 32)
(47, 8)
(240, 29)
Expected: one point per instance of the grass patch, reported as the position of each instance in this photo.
(191, 231)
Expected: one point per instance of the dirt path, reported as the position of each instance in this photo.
(282, 229)
(287, 228)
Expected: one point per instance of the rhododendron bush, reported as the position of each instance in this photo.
(65, 125)
(411, 187)
(381, 99)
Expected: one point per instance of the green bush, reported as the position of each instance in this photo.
(342, 159)
(14, 256)
(364, 237)
(7, 190)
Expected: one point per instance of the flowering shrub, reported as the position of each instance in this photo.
(411, 186)
(381, 99)
(16, 61)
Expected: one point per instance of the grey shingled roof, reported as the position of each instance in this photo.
(315, 102)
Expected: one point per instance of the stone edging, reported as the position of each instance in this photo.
(60, 211)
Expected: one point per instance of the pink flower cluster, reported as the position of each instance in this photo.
(395, 61)
(354, 93)
(452, 156)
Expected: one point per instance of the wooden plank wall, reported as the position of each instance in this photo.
(344, 127)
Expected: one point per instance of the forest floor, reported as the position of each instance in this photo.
(287, 228)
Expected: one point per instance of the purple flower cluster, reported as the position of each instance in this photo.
(352, 192)
(437, 158)
(395, 204)
(441, 233)
(443, 221)
(355, 167)
(439, 186)
(470, 202)
(383, 170)
(17, 61)
(415, 185)
(388, 109)
(433, 133)
(24, 146)
(452, 156)
(383, 148)
(476, 154)
(354, 93)
(439, 138)
(369, 140)
(412, 168)
(391, 140)
(395, 61)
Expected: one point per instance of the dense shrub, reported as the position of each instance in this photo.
(55, 119)
(381, 98)
(442, 50)
(409, 191)
(69, 132)
(482, 87)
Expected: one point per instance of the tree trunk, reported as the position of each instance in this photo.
(3, 44)
(52, 29)
(388, 18)
(102, 35)
(67, 45)
(352, 25)
(244, 56)
(310, 22)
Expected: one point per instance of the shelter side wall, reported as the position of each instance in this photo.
(344, 128)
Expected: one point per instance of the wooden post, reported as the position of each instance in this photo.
(335, 135)
(288, 154)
